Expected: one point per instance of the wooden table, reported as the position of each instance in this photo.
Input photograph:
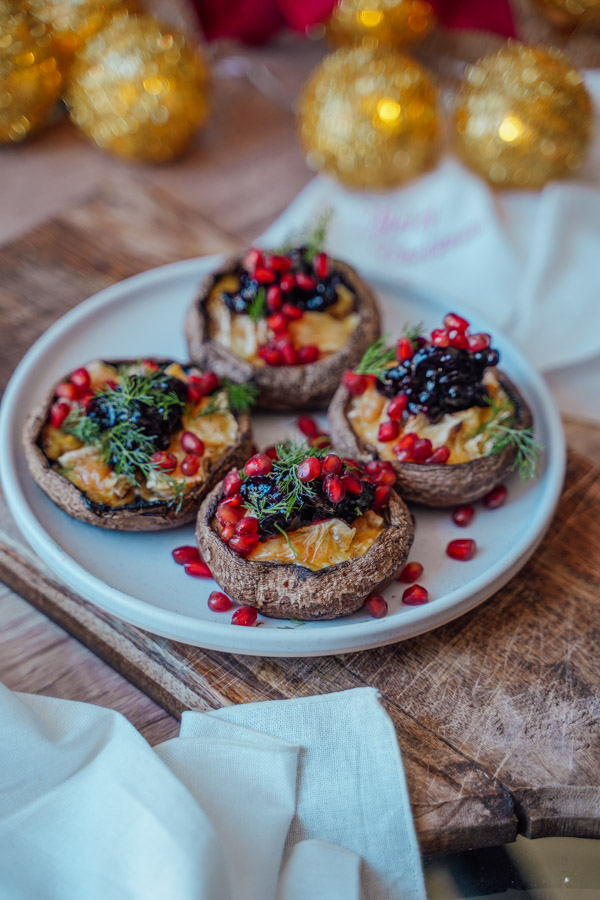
(497, 713)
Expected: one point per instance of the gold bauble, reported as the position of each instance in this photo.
(569, 13)
(139, 89)
(75, 21)
(369, 118)
(523, 117)
(399, 22)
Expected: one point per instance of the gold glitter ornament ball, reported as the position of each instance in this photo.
(75, 21)
(139, 89)
(30, 75)
(570, 13)
(523, 117)
(369, 118)
(399, 22)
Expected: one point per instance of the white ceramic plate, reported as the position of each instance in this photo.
(133, 577)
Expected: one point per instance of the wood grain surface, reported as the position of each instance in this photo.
(497, 713)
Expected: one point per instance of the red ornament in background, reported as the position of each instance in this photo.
(483, 15)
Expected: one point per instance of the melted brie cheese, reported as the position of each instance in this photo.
(322, 544)
(87, 470)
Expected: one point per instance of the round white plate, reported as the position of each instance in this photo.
(133, 576)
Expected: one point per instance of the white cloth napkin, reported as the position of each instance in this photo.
(528, 260)
(268, 801)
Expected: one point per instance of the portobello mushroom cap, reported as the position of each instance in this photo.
(287, 590)
(433, 485)
(284, 388)
(140, 515)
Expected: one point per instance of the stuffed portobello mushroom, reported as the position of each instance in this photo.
(291, 321)
(135, 445)
(303, 533)
(440, 410)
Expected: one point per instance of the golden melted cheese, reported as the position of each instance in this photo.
(322, 544)
(87, 470)
(457, 431)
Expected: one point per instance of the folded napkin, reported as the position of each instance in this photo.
(528, 260)
(282, 800)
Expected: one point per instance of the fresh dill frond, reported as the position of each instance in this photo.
(257, 308)
(230, 397)
(412, 332)
(293, 493)
(314, 241)
(502, 431)
(134, 388)
(81, 427)
(287, 540)
(376, 358)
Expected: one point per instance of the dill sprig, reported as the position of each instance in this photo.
(134, 388)
(312, 242)
(257, 309)
(230, 397)
(287, 539)
(376, 358)
(502, 431)
(412, 332)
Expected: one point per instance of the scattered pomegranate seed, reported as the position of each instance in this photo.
(277, 323)
(331, 465)
(291, 311)
(274, 299)
(382, 495)
(453, 321)
(411, 572)
(218, 601)
(495, 498)
(67, 391)
(259, 464)
(191, 443)
(59, 412)
(228, 515)
(376, 606)
(462, 515)
(245, 615)
(232, 483)
(461, 549)
(305, 282)
(320, 441)
(477, 342)
(307, 426)
(440, 338)
(308, 354)
(388, 431)
(335, 488)
(243, 544)
(227, 532)
(397, 406)
(352, 484)
(356, 384)
(197, 569)
(321, 265)
(185, 554)
(271, 452)
(190, 465)
(309, 469)
(81, 379)
(247, 525)
(415, 595)
(422, 450)
(287, 282)
(262, 275)
(252, 259)
(439, 457)
(404, 349)
(163, 460)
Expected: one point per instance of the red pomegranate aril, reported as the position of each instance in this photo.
(321, 265)
(331, 464)
(274, 299)
(478, 342)
(185, 554)
(495, 498)
(259, 464)
(353, 484)
(85, 399)
(458, 340)
(194, 394)
(287, 282)
(307, 426)
(415, 595)
(279, 263)
(308, 354)
(148, 366)
(81, 379)
(461, 549)
(411, 572)
(59, 412)
(397, 406)
(309, 469)
(110, 385)
(208, 382)
(271, 452)
(247, 525)
(351, 463)
(190, 465)
(245, 615)
(243, 544)
(235, 500)
(462, 515)
(232, 483)
(291, 311)
(272, 356)
(455, 322)
(167, 462)
(335, 488)
(305, 282)
(227, 532)
(218, 601)
(67, 391)
(263, 275)
(388, 431)
(402, 455)
(277, 323)
(439, 338)
(191, 443)
(374, 466)
(197, 569)
(288, 354)
(386, 476)
(376, 606)
(320, 441)
(382, 495)
(422, 450)
(408, 441)
(404, 349)
(355, 384)
(439, 457)
(252, 259)
(227, 514)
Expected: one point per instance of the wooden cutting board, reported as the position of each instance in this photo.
(497, 713)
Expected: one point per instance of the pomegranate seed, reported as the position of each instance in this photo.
(110, 385)
(388, 431)
(86, 399)
(81, 379)
(374, 466)
(59, 412)
(197, 569)
(194, 394)
(331, 465)
(287, 282)
(235, 500)
(305, 282)
(191, 443)
(291, 311)
(320, 441)
(307, 426)
(185, 554)
(274, 300)
(252, 259)
(218, 601)
(227, 514)
(232, 483)
(148, 366)
(190, 465)
(243, 544)
(415, 595)
(277, 323)
(355, 384)
(382, 495)
(321, 265)
(262, 275)
(461, 549)
(308, 354)
(335, 488)
(353, 484)
(280, 263)
(271, 452)
(247, 525)
(386, 476)
(402, 455)
(227, 532)
(495, 498)
(309, 469)
(245, 615)
(411, 572)
(67, 391)
(259, 464)
(462, 515)
(453, 321)
(440, 456)
(288, 354)
(439, 338)
(478, 342)
(407, 442)
(458, 340)
(209, 382)
(376, 606)
(352, 463)
(272, 356)
(404, 349)
(397, 406)
(422, 450)
(167, 462)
